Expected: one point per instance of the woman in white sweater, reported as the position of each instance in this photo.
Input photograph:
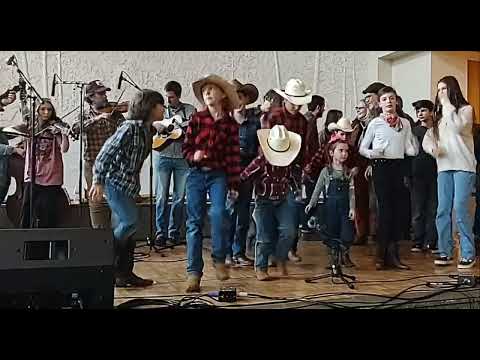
(390, 138)
(450, 142)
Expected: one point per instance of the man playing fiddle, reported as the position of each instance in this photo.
(99, 123)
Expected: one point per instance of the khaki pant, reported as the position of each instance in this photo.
(99, 211)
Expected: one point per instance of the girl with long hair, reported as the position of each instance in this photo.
(450, 142)
(50, 145)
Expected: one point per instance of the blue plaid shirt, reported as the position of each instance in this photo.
(121, 158)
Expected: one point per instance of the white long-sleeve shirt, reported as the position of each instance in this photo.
(388, 142)
(455, 142)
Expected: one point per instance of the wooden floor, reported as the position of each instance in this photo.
(167, 269)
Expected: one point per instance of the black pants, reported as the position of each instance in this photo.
(425, 210)
(45, 200)
(389, 187)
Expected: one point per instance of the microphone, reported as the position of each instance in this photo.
(11, 60)
(54, 83)
(120, 79)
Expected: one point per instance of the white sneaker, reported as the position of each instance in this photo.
(466, 263)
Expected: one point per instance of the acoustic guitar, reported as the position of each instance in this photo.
(173, 131)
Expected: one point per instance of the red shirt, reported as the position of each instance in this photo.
(296, 123)
(48, 160)
(271, 182)
(219, 140)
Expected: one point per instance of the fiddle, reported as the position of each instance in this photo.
(112, 107)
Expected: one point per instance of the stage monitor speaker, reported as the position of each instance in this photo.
(56, 268)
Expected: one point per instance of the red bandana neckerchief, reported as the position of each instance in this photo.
(392, 120)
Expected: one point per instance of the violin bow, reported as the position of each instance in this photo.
(118, 101)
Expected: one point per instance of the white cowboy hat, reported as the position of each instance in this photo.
(342, 124)
(280, 146)
(295, 92)
(223, 84)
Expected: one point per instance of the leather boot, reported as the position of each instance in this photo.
(380, 256)
(262, 275)
(125, 276)
(221, 271)
(121, 259)
(193, 282)
(394, 257)
(282, 268)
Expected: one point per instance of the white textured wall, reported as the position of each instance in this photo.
(452, 63)
(152, 69)
(411, 78)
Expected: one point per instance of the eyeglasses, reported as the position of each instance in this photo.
(360, 107)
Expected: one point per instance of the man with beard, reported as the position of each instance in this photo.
(98, 126)
(371, 98)
(362, 207)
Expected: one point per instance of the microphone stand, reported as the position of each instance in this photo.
(150, 238)
(81, 87)
(33, 96)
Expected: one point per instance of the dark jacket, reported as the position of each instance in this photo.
(248, 136)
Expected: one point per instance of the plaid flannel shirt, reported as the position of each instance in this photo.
(96, 132)
(297, 124)
(121, 158)
(219, 140)
(271, 182)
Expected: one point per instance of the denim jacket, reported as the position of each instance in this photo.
(5, 152)
(248, 136)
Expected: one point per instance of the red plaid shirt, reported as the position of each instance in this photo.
(298, 124)
(219, 140)
(271, 182)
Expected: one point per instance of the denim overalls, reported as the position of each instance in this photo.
(337, 225)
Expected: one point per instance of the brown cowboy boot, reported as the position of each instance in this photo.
(193, 282)
(221, 271)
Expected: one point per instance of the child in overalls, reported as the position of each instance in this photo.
(336, 182)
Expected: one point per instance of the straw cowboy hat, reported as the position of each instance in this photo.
(249, 90)
(223, 84)
(295, 92)
(342, 124)
(280, 146)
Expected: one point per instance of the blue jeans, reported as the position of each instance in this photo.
(476, 223)
(239, 220)
(164, 167)
(276, 230)
(199, 183)
(297, 211)
(124, 213)
(454, 191)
